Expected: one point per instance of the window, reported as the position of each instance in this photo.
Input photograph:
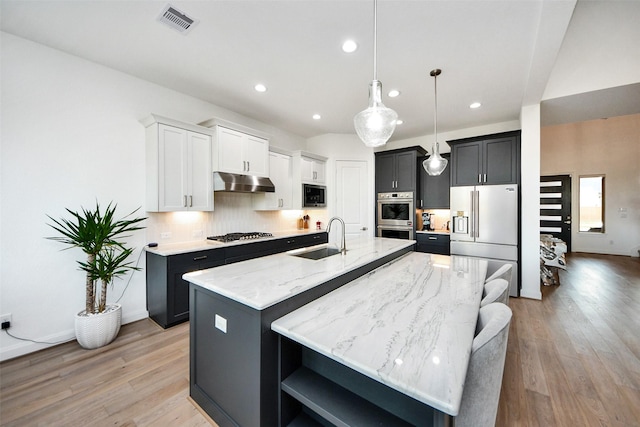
(592, 204)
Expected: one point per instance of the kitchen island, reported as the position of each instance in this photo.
(391, 347)
(233, 351)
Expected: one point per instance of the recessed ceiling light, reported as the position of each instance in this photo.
(475, 105)
(349, 46)
(317, 117)
(399, 122)
(393, 93)
(260, 87)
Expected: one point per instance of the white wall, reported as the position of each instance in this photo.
(70, 136)
(530, 202)
(611, 148)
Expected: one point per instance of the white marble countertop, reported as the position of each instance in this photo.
(262, 282)
(204, 244)
(408, 324)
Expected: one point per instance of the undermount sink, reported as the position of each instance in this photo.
(317, 253)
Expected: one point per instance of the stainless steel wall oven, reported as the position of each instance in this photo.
(395, 215)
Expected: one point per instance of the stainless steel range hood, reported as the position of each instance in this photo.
(236, 183)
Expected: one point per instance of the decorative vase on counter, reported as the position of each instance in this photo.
(97, 330)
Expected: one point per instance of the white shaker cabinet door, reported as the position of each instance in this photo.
(200, 172)
(231, 151)
(281, 176)
(257, 156)
(172, 163)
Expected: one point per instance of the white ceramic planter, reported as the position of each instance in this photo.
(98, 330)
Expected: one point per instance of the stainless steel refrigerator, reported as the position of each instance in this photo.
(484, 224)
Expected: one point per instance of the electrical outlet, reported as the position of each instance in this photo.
(5, 318)
(165, 235)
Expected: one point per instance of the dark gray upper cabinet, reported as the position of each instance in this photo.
(485, 160)
(433, 191)
(396, 169)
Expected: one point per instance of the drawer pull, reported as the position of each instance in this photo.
(433, 238)
(200, 258)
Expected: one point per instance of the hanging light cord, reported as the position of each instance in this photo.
(435, 108)
(375, 39)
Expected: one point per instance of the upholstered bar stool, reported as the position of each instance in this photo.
(479, 405)
(496, 290)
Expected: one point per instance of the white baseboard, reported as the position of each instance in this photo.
(25, 347)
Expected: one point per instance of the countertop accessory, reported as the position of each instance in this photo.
(435, 164)
(376, 124)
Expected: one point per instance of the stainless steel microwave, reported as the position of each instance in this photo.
(314, 196)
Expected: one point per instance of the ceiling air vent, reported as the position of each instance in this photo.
(176, 19)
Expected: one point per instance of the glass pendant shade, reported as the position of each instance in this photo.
(435, 164)
(376, 124)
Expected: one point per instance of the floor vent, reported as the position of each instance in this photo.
(176, 19)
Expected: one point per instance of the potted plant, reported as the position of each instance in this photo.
(99, 235)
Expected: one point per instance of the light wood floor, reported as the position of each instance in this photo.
(573, 360)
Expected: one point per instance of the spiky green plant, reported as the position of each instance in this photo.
(98, 234)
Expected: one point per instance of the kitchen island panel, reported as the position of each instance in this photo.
(253, 399)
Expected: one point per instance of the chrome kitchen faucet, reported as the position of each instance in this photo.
(343, 247)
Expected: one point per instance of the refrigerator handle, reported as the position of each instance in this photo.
(472, 215)
(476, 215)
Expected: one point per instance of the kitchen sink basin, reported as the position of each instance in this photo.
(317, 253)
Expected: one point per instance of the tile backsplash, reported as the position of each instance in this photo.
(233, 212)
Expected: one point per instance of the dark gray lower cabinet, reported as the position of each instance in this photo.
(168, 293)
(433, 243)
(234, 375)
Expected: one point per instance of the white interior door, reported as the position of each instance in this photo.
(351, 189)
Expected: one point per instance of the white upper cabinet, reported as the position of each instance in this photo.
(178, 166)
(281, 176)
(312, 170)
(241, 153)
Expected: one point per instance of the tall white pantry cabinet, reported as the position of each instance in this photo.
(179, 166)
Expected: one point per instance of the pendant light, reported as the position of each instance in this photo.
(375, 125)
(435, 164)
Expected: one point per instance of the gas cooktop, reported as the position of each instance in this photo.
(231, 237)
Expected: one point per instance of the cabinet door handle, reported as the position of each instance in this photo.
(248, 166)
(479, 177)
(190, 201)
(433, 238)
(199, 258)
(485, 178)
(185, 201)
